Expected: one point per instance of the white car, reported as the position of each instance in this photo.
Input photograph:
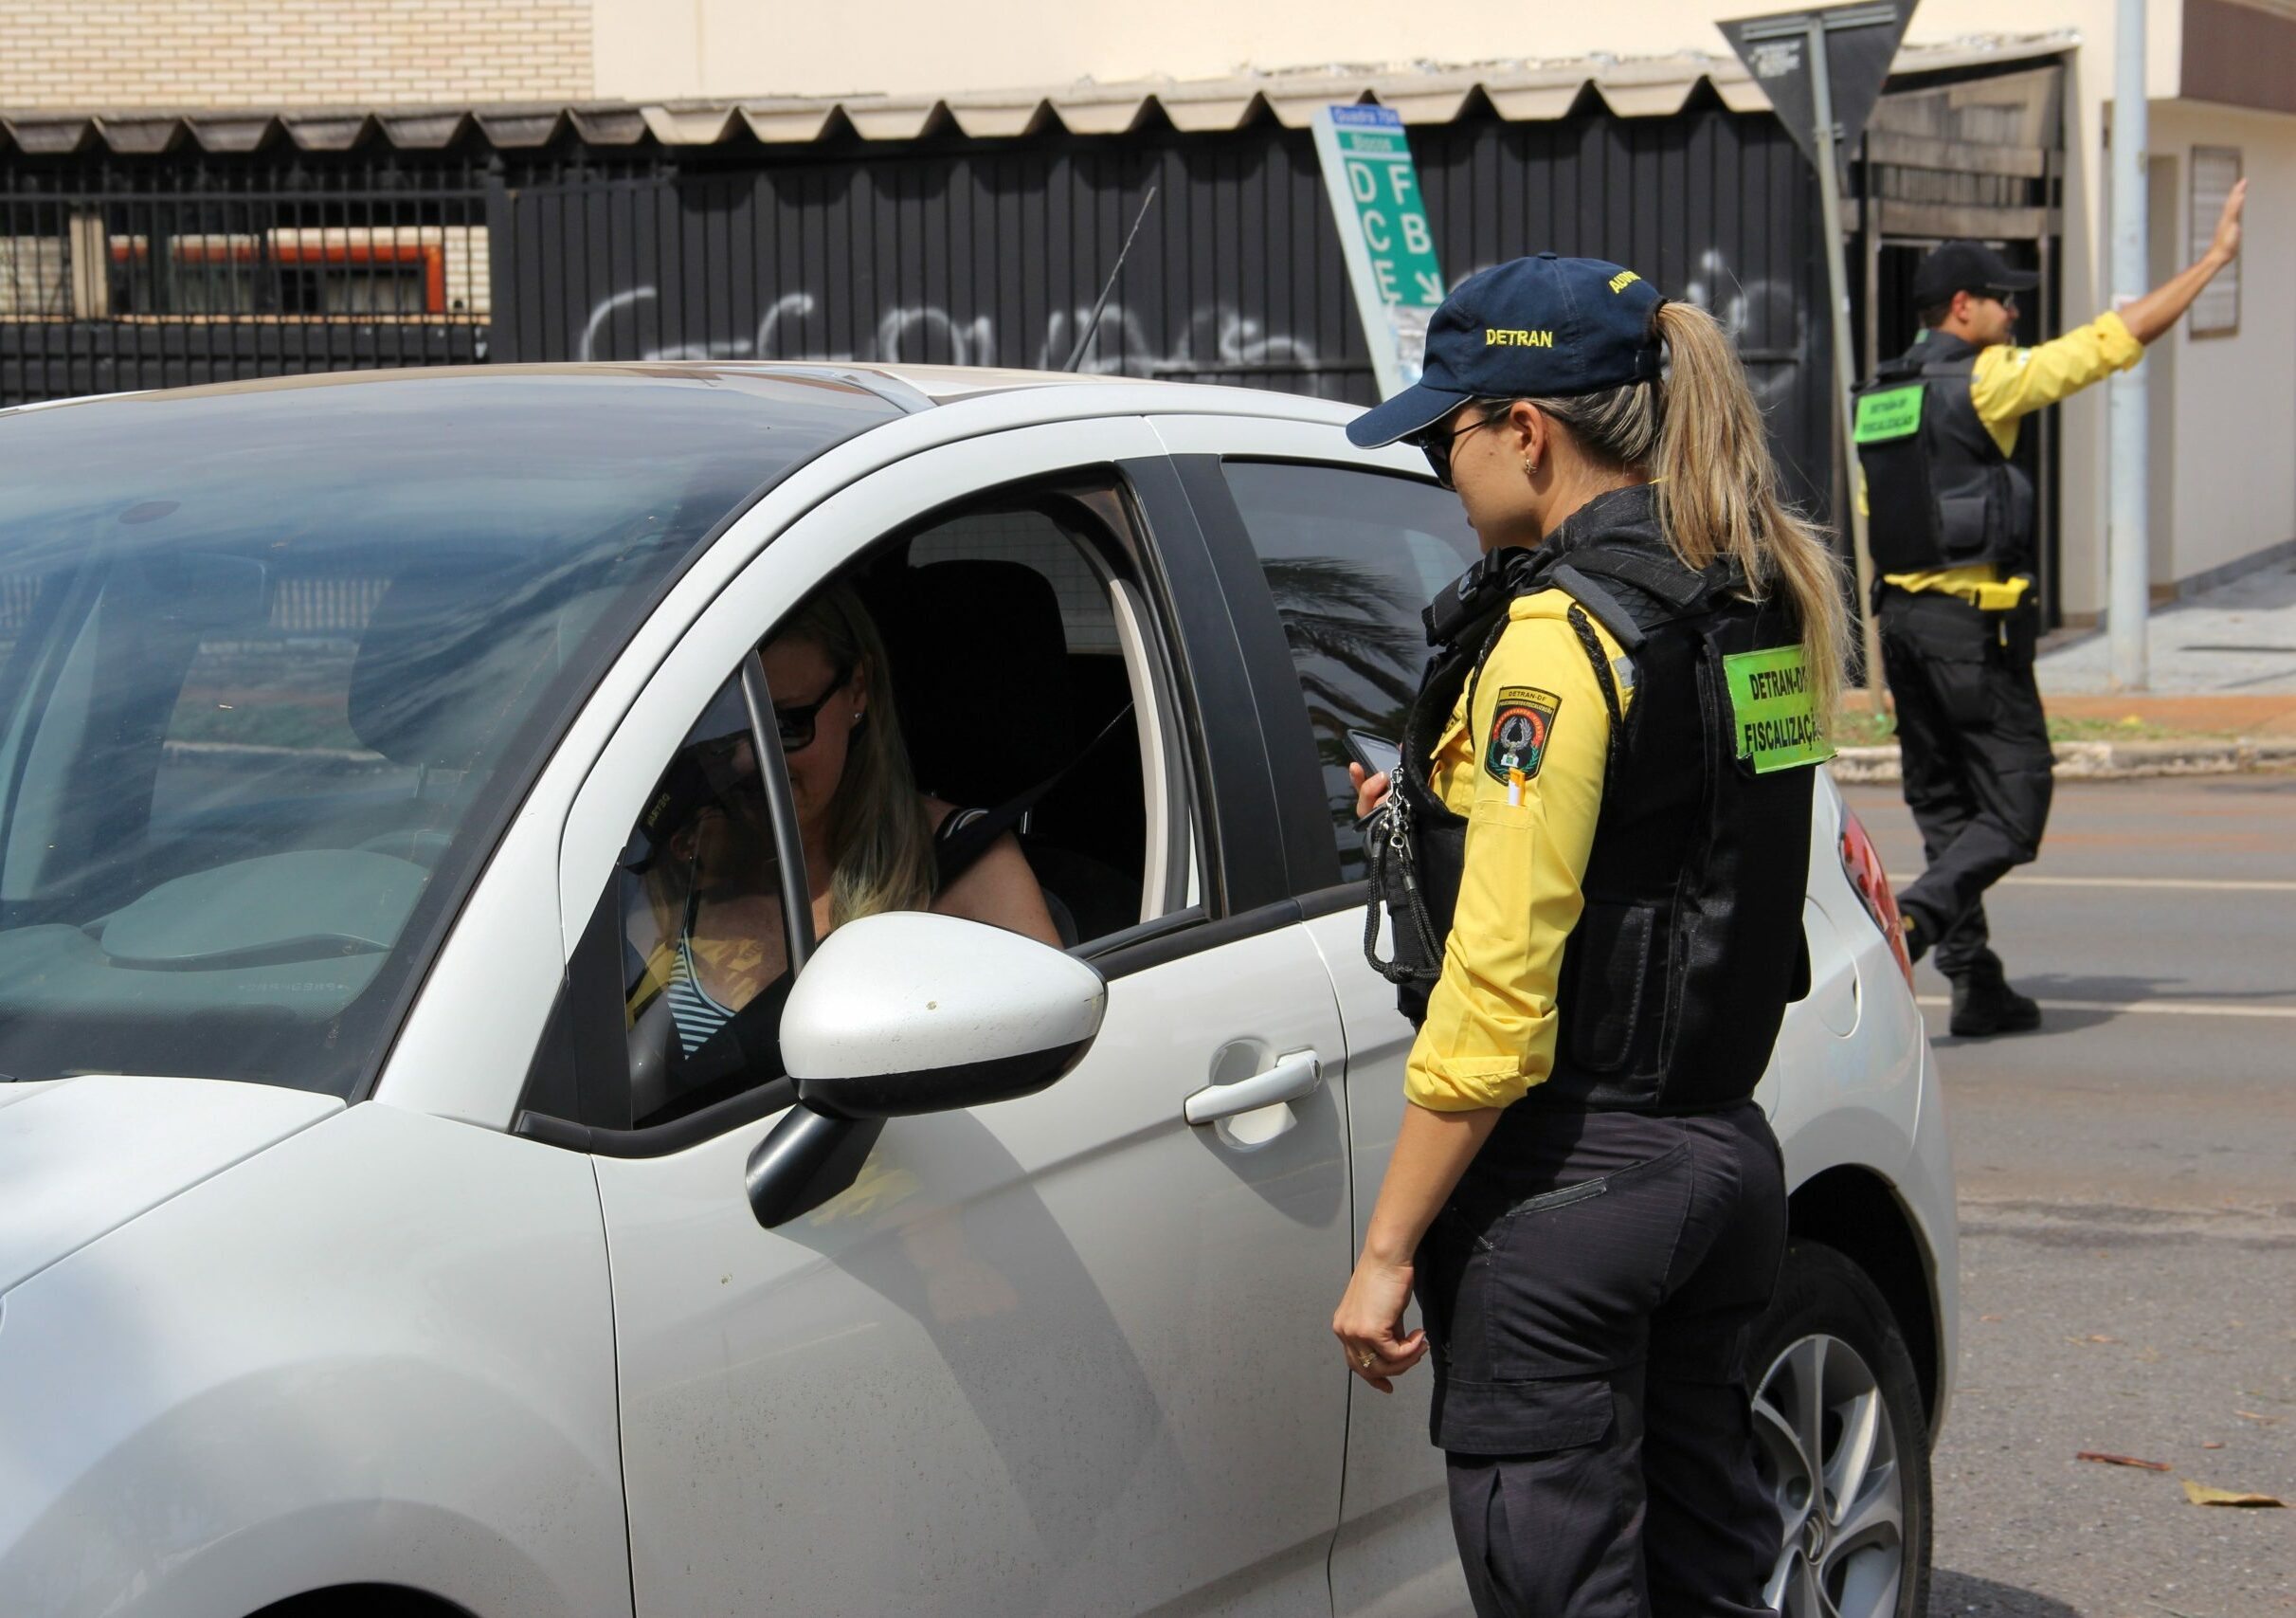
(358, 1253)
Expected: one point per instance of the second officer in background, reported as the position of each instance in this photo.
(1952, 530)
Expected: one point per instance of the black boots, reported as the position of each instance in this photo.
(1984, 1004)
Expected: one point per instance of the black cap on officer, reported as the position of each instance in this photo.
(1542, 328)
(1966, 266)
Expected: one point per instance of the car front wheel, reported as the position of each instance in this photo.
(1843, 1444)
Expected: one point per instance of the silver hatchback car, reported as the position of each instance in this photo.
(371, 1242)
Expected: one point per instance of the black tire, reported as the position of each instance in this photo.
(1872, 1561)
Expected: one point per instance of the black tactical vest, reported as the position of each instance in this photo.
(1939, 491)
(1690, 948)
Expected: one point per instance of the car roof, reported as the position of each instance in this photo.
(909, 389)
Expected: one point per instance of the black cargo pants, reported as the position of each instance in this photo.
(1588, 1290)
(1973, 745)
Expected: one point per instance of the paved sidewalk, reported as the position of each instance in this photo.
(2235, 640)
(2223, 697)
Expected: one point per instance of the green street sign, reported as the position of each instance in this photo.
(1384, 234)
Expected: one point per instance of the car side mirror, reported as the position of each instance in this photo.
(910, 1012)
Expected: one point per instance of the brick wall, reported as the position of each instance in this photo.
(116, 55)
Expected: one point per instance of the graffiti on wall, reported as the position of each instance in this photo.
(1215, 337)
(1763, 317)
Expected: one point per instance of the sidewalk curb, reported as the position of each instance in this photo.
(2109, 760)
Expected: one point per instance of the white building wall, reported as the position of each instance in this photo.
(2231, 401)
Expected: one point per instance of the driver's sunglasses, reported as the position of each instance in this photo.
(796, 724)
(1437, 445)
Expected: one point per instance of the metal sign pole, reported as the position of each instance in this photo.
(1845, 373)
(2129, 498)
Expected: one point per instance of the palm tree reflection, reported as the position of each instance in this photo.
(1351, 636)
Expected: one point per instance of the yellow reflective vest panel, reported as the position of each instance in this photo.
(1490, 1024)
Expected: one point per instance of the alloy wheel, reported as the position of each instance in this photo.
(1828, 1451)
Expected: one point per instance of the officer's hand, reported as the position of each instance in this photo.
(1367, 1322)
(2226, 245)
(1370, 790)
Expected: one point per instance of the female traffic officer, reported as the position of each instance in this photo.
(1594, 859)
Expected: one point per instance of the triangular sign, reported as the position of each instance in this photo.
(1861, 42)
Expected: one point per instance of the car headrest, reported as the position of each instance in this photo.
(442, 666)
(980, 671)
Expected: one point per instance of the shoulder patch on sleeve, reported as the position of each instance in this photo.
(1519, 732)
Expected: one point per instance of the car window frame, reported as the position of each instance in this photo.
(766, 588)
(1219, 440)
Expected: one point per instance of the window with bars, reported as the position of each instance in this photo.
(374, 244)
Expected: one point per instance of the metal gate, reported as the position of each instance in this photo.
(161, 274)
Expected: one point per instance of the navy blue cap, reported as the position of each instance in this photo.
(1542, 328)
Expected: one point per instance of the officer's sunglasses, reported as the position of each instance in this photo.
(796, 723)
(1436, 447)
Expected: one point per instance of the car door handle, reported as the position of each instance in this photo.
(1292, 1076)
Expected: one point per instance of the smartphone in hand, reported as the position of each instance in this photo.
(1375, 754)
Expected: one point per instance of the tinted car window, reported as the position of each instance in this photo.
(278, 658)
(1351, 557)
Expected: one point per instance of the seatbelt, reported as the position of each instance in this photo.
(956, 856)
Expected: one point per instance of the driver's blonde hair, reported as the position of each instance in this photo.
(880, 843)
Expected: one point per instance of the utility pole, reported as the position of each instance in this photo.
(2128, 548)
(1823, 70)
(1845, 364)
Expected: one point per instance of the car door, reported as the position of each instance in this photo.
(1349, 550)
(1061, 1354)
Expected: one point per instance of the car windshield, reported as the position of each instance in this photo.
(277, 663)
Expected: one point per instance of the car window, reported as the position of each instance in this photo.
(278, 659)
(1351, 558)
(958, 720)
(700, 926)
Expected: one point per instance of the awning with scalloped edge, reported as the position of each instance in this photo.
(1519, 92)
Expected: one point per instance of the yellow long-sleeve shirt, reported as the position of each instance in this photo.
(1491, 1026)
(2008, 384)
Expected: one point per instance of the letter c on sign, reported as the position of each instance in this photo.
(1375, 231)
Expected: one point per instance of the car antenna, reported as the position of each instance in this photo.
(1092, 323)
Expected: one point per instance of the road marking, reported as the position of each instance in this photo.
(2206, 884)
(2163, 1007)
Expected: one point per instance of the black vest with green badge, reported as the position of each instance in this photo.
(1939, 491)
(1690, 948)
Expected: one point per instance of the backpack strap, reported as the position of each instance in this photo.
(1607, 610)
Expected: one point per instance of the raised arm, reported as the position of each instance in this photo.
(2159, 309)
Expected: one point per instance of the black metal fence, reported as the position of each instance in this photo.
(994, 254)
(164, 273)
(170, 270)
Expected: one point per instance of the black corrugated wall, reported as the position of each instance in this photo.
(992, 254)
(973, 252)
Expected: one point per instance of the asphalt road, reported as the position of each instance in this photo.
(2128, 1180)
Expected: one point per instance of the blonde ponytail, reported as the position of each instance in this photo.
(1698, 437)
(1718, 495)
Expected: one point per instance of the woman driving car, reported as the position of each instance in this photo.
(710, 931)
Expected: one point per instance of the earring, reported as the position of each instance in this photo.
(1531, 467)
